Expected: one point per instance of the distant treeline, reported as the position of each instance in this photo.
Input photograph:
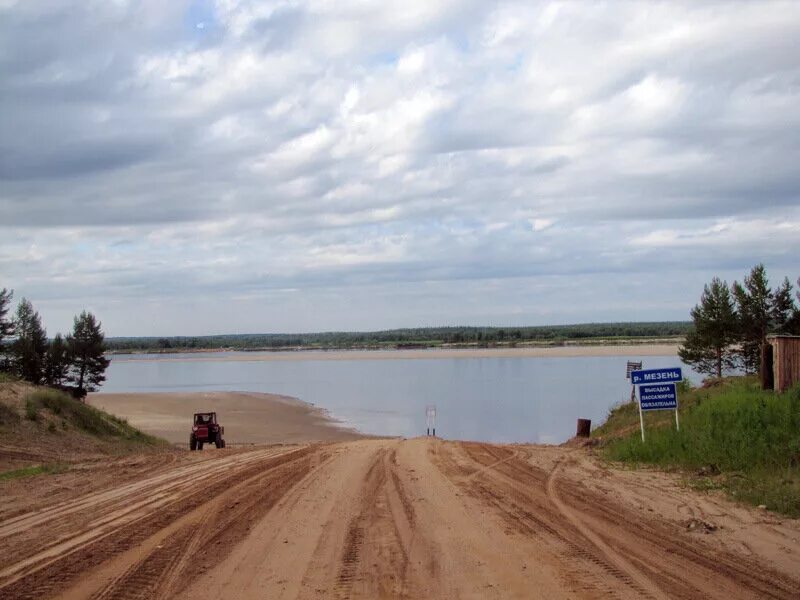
(405, 338)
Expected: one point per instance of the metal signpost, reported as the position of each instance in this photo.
(657, 391)
(430, 418)
(632, 366)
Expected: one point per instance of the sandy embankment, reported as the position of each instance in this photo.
(248, 417)
(630, 350)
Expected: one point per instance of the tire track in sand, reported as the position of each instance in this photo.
(686, 567)
(53, 574)
(381, 538)
(223, 521)
(606, 547)
(609, 554)
(369, 526)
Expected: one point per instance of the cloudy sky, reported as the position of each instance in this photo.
(246, 166)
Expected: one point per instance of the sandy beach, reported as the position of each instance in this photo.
(247, 417)
(631, 350)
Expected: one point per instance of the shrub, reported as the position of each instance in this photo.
(31, 409)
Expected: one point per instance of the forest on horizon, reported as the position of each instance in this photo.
(419, 337)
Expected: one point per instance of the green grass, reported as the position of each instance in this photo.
(31, 471)
(31, 409)
(744, 440)
(84, 417)
(7, 377)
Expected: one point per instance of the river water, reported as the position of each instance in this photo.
(497, 399)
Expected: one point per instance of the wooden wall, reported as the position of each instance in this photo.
(785, 361)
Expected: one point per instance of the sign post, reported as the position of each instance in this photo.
(657, 391)
(641, 417)
(430, 418)
(632, 366)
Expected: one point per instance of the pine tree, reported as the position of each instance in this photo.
(710, 348)
(793, 326)
(6, 326)
(783, 308)
(56, 362)
(87, 362)
(761, 311)
(29, 347)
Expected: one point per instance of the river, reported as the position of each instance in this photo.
(493, 399)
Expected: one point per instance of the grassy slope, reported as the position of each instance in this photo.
(43, 429)
(733, 436)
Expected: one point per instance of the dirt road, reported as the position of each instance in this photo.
(416, 518)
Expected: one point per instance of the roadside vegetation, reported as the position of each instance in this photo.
(44, 430)
(60, 406)
(733, 436)
(736, 433)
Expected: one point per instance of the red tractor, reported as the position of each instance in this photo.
(206, 430)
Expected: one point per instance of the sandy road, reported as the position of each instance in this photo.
(392, 519)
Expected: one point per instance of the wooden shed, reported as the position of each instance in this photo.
(785, 360)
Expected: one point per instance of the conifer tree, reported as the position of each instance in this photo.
(29, 348)
(793, 326)
(783, 308)
(761, 311)
(6, 326)
(87, 362)
(710, 348)
(56, 362)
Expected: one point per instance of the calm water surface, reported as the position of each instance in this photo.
(520, 399)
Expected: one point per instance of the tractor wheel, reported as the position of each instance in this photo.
(219, 443)
(223, 443)
(199, 445)
(192, 443)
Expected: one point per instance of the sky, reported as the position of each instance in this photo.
(242, 166)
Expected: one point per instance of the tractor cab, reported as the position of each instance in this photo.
(205, 419)
(205, 429)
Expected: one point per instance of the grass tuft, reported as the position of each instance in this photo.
(51, 469)
(31, 410)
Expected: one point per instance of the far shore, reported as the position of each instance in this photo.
(631, 350)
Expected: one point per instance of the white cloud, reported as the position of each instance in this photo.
(385, 150)
(541, 224)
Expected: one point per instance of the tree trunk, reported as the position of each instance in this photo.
(719, 363)
(80, 381)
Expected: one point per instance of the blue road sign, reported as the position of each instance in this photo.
(656, 376)
(661, 396)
